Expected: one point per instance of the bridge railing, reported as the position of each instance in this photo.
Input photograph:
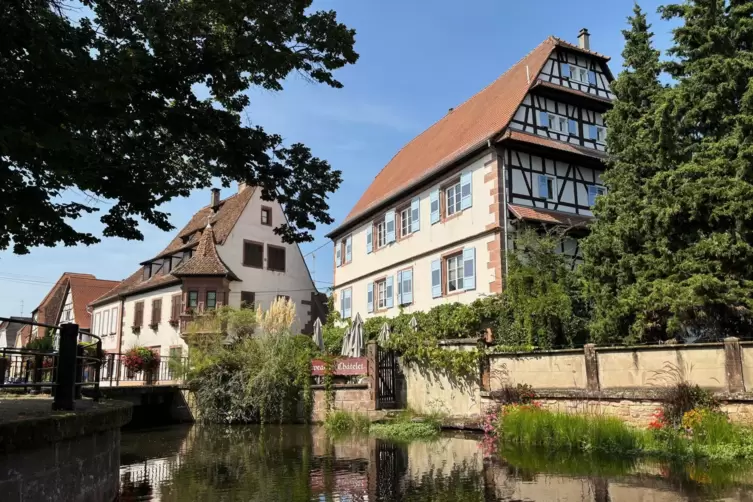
(115, 373)
(64, 370)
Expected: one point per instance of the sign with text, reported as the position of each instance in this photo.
(343, 367)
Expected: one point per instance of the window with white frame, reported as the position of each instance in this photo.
(380, 288)
(579, 74)
(453, 197)
(557, 123)
(455, 273)
(406, 225)
(601, 134)
(381, 234)
(547, 186)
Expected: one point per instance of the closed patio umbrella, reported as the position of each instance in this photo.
(345, 351)
(384, 333)
(317, 336)
(357, 340)
(413, 323)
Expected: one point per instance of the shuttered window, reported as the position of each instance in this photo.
(175, 308)
(138, 314)
(275, 258)
(156, 311)
(253, 254)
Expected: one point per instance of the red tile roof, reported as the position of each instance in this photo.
(205, 260)
(85, 290)
(222, 222)
(551, 143)
(464, 130)
(461, 131)
(548, 216)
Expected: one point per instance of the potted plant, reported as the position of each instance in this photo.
(141, 359)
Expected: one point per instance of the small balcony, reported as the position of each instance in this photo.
(201, 322)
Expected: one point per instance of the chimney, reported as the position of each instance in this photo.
(584, 41)
(215, 201)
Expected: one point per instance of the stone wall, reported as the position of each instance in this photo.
(626, 382)
(351, 398)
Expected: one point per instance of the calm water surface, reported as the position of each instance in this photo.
(299, 463)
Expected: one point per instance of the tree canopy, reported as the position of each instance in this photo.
(104, 98)
(678, 218)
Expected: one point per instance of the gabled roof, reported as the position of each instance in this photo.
(205, 260)
(461, 132)
(190, 236)
(85, 290)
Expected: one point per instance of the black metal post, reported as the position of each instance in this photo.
(79, 370)
(97, 366)
(66, 384)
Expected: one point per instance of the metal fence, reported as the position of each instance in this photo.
(170, 369)
(64, 371)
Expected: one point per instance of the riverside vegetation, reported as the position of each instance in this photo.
(405, 426)
(689, 425)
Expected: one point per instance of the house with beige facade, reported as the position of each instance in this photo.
(438, 220)
(227, 254)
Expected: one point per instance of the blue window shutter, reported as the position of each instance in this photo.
(407, 287)
(592, 193)
(338, 254)
(466, 190)
(565, 70)
(436, 279)
(434, 203)
(369, 238)
(348, 249)
(390, 288)
(415, 214)
(469, 268)
(389, 223)
(592, 77)
(399, 288)
(543, 119)
(348, 302)
(370, 297)
(592, 132)
(342, 304)
(573, 127)
(543, 187)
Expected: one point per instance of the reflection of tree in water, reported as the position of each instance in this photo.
(244, 463)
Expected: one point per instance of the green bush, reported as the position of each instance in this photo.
(405, 431)
(341, 422)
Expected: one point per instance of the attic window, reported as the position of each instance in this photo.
(147, 271)
(266, 216)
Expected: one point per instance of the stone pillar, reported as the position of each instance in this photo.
(733, 364)
(592, 367)
(372, 350)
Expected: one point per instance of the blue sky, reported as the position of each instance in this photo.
(418, 58)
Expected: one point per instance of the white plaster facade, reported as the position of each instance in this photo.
(466, 230)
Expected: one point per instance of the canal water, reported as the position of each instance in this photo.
(300, 463)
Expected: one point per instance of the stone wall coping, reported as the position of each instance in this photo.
(535, 353)
(460, 341)
(665, 346)
(342, 386)
(40, 426)
(626, 393)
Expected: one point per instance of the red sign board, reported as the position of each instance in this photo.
(344, 366)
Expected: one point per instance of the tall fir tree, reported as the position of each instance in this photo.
(693, 271)
(612, 250)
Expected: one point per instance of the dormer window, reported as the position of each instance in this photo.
(147, 271)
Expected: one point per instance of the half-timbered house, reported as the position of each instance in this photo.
(227, 254)
(438, 221)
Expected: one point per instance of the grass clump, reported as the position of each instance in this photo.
(341, 422)
(529, 425)
(405, 431)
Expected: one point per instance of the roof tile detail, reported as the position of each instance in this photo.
(548, 216)
(467, 127)
(205, 260)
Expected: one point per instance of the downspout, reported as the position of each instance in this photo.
(503, 174)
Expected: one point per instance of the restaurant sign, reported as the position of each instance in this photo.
(343, 366)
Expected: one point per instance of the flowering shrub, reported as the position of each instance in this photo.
(658, 422)
(140, 359)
